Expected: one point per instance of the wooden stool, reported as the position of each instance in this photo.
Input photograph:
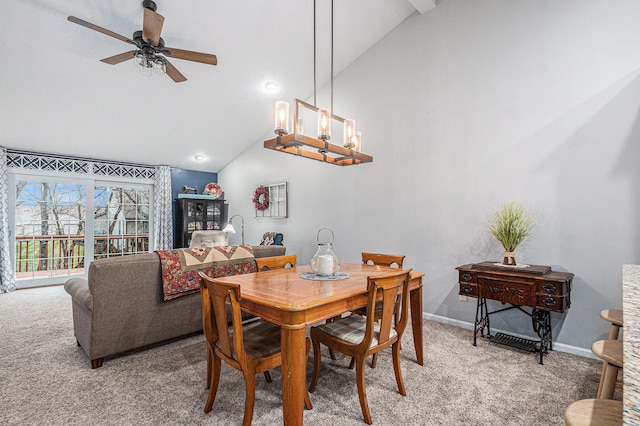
(611, 352)
(614, 316)
(601, 412)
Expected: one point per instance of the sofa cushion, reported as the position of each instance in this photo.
(209, 239)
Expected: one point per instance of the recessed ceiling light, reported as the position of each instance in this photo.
(199, 157)
(271, 85)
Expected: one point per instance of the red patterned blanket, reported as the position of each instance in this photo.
(180, 267)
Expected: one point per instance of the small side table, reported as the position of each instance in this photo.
(533, 286)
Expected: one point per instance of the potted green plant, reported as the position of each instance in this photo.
(511, 225)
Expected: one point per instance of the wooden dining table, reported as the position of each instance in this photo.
(282, 297)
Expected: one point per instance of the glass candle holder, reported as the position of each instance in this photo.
(324, 124)
(281, 125)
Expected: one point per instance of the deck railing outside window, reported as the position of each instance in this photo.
(50, 255)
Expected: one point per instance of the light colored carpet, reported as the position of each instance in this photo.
(46, 379)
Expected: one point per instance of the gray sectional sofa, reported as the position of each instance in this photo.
(121, 307)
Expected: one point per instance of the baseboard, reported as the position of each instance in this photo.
(561, 347)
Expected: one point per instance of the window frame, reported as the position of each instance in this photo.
(90, 182)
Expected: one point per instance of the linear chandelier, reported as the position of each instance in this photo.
(320, 149)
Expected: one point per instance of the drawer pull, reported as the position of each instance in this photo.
(466, 277)
(549, 287)
(549, 301)
(466, 288)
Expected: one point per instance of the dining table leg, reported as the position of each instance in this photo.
(416, 321)
(294, 365)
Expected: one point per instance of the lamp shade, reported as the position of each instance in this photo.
(349, 133)
(281, 126)
(358, 146)
(324, 124)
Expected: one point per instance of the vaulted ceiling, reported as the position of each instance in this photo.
(57, 97)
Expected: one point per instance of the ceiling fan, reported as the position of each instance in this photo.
(150, 53)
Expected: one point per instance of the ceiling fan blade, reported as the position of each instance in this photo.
(174, 73)
(99, 29)
(116, 59)
(188, 55)
(152, 26)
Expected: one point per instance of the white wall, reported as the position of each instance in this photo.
(467, 106)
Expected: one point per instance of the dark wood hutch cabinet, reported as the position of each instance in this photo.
(194, 214)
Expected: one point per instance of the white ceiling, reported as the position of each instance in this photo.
(57, 97)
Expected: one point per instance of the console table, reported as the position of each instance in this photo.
(533, 286)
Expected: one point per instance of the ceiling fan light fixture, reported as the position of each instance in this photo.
(146, 69)
(159, 65)
(150, 52)
(138, 58)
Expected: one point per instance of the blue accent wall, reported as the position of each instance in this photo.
(180, 177)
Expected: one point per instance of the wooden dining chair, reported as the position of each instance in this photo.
(251, 348)
(360, 336)
(275, 262)
(392, 261)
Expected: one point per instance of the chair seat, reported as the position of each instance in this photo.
(601, 412)
(261, 339)
(609, 350)
(352, 328)
(614, 316)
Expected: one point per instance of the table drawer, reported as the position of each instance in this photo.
(556, 288)
(506, 291)
(552, 303)
(467, 277)
(469, 289)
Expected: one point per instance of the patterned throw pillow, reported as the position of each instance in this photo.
(268, 239)
(272, 238)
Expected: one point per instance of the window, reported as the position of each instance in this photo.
(120, 221)
(55, 239)
(49, 229)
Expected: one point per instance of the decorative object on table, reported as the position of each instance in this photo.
(310, 275)
(189, 189)
(261, 198)
(511, 225)
(213, 189)
(317, 147)
(229, 228)
(325, 262)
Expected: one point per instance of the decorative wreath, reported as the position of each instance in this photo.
(261, 198)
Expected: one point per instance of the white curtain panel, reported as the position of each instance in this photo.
(162, 209)
(7, 276)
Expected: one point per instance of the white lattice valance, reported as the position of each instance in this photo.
(33, 161)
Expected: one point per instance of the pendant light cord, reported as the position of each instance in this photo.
(331, 57)
(315, 91)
